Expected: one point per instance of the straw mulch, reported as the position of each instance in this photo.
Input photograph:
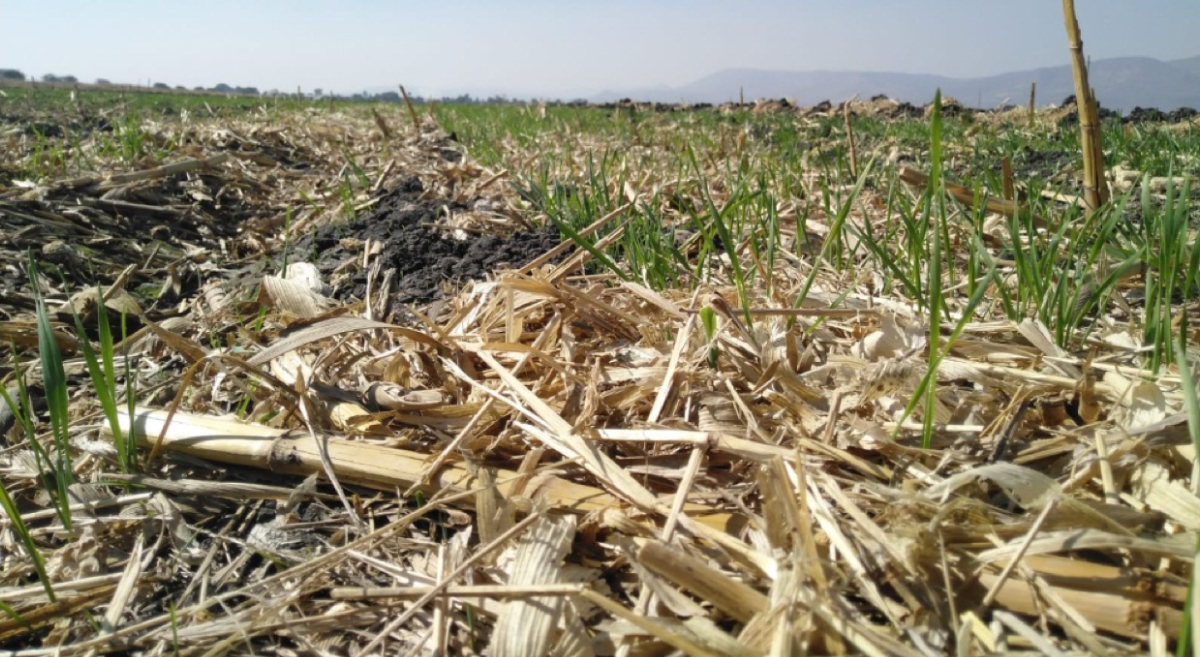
(555, 462)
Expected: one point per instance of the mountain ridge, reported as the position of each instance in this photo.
(1121, 83)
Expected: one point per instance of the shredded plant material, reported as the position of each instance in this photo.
(587, 381)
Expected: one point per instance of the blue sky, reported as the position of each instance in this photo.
(562, 48)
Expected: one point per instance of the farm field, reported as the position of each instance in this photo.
(296, 377)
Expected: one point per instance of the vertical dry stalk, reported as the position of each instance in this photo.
(1032, 99)
(637, 135)
(850, 137)
(1095, 192)
(411, 112)
(1010, 192)
(382, 124)
(1097, 148)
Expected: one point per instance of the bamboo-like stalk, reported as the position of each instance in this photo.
(374, 466)
(727, 594)
(411, 111)
(182, 166)
(384, 128)
(1117, 612)
(1095, 192)
(1032, 98)
(498, 591)
(1010, 192)
(850, 137)
(50, 612)
(966, 195)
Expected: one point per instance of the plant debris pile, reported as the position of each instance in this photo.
(427, 254)
(214, 202)
(753, 418)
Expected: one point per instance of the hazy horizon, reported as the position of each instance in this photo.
(545, 49)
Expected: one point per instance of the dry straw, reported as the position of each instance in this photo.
(558, 461)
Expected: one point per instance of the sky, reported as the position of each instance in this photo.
(564, 48)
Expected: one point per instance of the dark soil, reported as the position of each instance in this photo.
(905, 110)
(1140, 114)
(1045, 165)
(1182, 114)
(1148, 114)
(427, 259)
(1072, 117)
(47, 126)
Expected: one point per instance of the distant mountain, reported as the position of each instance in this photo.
(1121, 84)
(1189, 65)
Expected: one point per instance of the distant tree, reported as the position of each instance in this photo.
(388, 97)
(161, 85)
(103, 81)
(198, 89)
(68, 78)
(11, 74)
(49, 77)
(180, 87)
(250, 91)
(223, 88)
(317, 92)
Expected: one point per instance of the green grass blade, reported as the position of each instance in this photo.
(585, 244)
(54, 380)
(834, 229)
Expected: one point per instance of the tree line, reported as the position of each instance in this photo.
(223, 88)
